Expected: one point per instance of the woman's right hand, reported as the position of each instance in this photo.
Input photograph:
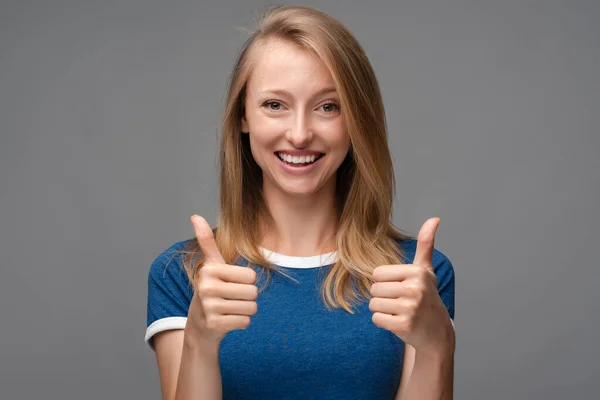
(225, 295)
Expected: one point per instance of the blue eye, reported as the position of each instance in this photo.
(330, 107)
(273, 105)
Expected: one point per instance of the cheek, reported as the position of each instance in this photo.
(336, 137)
(264, 129)
(263, 137)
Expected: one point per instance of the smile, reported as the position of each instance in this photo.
(299, 165)
(299, 160)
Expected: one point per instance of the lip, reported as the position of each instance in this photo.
(299, 153)
(298, 170)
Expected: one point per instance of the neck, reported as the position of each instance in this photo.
(302, 226)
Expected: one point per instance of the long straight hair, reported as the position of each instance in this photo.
(365, 183)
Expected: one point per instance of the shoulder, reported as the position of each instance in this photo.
(168, 263)
(172, 250)
(169, 291)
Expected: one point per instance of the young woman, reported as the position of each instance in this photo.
(305, 289)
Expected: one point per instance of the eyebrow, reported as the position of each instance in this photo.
(283, 92)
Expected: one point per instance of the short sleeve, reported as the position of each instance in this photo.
(444, 272)
(169, 294)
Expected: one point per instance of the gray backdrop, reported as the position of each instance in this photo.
(109, 113)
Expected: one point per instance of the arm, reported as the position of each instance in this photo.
(407, 367)
(426, 376)
(188, 368)
(430, 375)
(188, 356)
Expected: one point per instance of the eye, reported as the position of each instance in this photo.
(330, 107)
(273, 105)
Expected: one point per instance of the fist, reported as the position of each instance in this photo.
(406, 300)
(224, 296)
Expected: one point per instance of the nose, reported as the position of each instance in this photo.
(300, 134)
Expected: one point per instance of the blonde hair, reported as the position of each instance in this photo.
(365, 183)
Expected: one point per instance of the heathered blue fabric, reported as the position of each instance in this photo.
(294, 348)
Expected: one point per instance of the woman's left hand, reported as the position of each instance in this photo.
(406, 299)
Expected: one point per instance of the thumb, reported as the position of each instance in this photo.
(206, 240)
(425, 243)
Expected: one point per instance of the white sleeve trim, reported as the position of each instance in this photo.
(163, 324)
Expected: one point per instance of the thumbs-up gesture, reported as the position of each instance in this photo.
(224, 297)
(406, 300)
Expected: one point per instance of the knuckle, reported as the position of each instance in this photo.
(416, 292)
(212, 322)
(208, 269)
(413, 305)
(417, 287)
(208, 304)
(206, 288)
(211, 305)
(201, 289)
(200, 293)
(201, 275)
(406, 324)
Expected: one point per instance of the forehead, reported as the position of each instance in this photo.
(280, 64)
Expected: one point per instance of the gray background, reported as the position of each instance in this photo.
(108, 124)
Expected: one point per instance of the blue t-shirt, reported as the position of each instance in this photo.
(294, 347)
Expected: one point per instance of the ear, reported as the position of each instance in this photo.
(245, 127)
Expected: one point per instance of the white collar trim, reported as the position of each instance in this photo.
(300, 262)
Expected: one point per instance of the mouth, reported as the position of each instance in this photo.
(298, 161)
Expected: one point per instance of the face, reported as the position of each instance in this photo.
(293, 112)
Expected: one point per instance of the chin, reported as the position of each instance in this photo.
(298, 190)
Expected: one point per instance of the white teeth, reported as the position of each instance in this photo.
(297, 159)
